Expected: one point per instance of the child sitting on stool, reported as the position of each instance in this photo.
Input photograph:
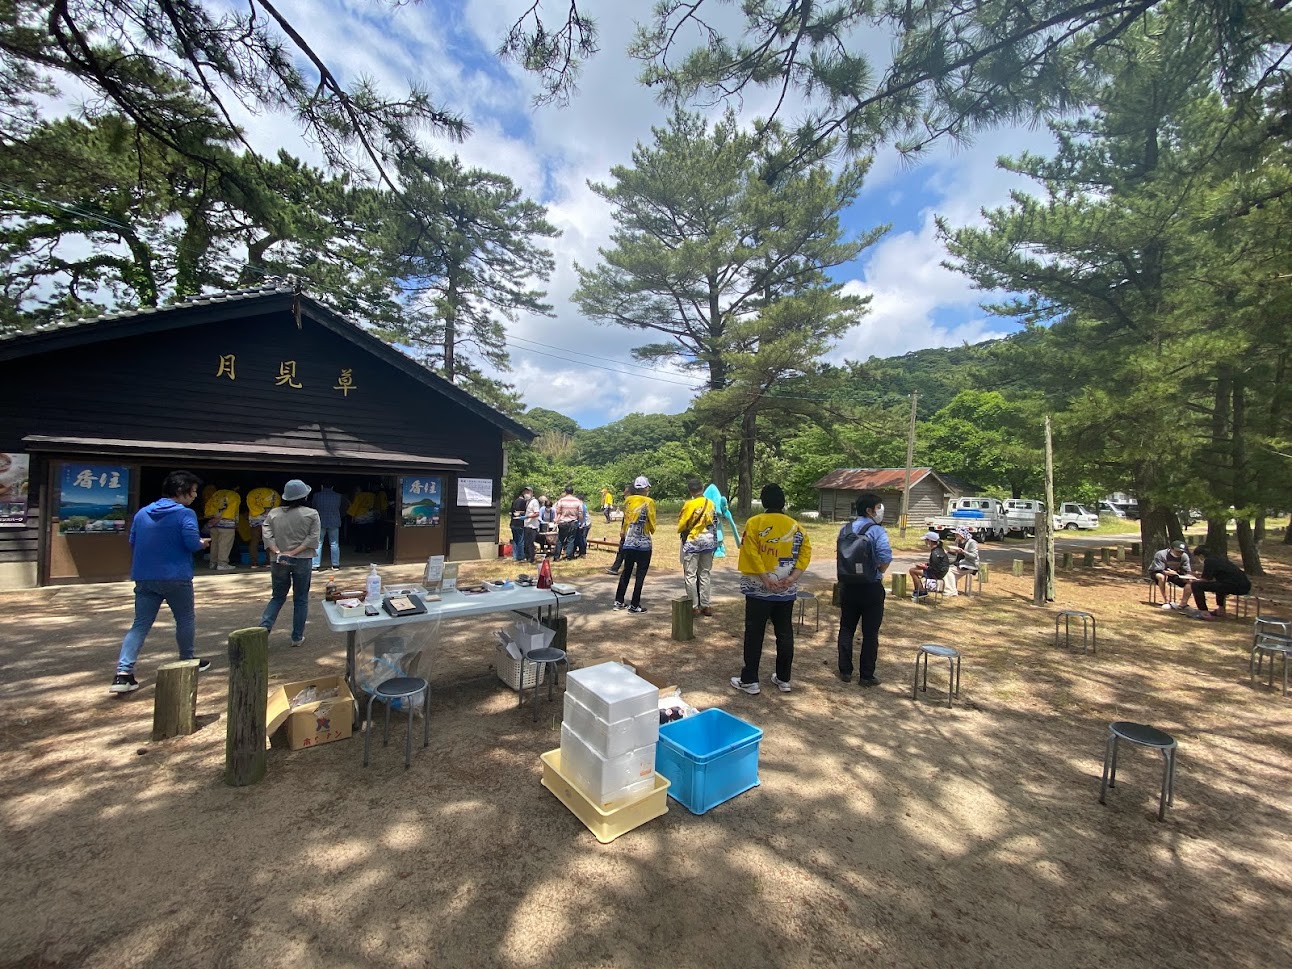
(925, 577)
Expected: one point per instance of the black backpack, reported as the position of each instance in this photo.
(854, 555)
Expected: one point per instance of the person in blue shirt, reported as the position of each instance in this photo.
(327, 503)
(862, 556)
(163, 539)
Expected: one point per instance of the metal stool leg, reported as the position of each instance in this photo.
(924, 687)
(915, 683)
(950, 670)
(1166, 784)
(1108, 759)
(408, 735)
(538, 675)
(1094, 635)
(367, 733)
(957, 676)
(1112, 776)
(385, 731)
(426, 717)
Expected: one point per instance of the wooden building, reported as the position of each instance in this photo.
(244, 389)
(839, 490)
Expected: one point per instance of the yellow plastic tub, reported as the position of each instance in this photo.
(606, 823)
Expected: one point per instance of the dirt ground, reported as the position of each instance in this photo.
(885, 832)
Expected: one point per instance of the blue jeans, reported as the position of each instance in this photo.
(295, 574)
(518, 540)
(331, 537)
(149, 595)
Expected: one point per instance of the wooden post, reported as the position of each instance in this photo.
(1039, 578)
(1135, 549)
(1048, 518)
(1119, 553)
(175, 703)
(1088, 559)
(1018, 568)
(910, 457)
(244, 748)
(683, 621)
(834, 596)
(1105, 555)
(899, 585)
(1068, 559)
(983, 574)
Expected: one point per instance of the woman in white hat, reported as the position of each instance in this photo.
(926, 576)
(291, 533)
(635, 541)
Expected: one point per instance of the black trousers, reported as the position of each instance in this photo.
(619, 557)
(860, 602)
(1222, 590)
(531, 537)
(757, 613)
(634, 559)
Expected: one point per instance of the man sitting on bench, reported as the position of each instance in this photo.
(1170, 565)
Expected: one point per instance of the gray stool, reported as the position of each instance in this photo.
(968, 579)
(1271, 645)
(544, 656)
(400, 688)
(1172, 592)
(952, 656)
(1144, 736)
(1271, 624)
(1089, 629)
(802, 597)
(1243, 606)
(934, 596)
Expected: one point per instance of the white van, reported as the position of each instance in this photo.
(1072, 515)
(1020, 514)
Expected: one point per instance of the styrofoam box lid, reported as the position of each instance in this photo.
(612, 692)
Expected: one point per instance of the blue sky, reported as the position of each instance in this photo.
(551, 152)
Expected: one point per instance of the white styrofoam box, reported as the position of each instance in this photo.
(612, 692)
(611, 739)
(604, 780)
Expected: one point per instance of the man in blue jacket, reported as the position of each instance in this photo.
(163, 537)
(862, 555)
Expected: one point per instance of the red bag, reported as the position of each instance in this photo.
(545, 575)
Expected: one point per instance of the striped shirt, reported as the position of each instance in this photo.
(328, 504)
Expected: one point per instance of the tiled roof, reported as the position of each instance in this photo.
(283, 288)
(871, 479)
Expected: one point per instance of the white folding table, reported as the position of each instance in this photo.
(531, 602)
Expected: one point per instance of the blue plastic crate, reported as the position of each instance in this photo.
(708, 758)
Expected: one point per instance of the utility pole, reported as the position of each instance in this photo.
(1043, 547)
(910, 458)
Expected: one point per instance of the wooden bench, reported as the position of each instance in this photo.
(605, 544)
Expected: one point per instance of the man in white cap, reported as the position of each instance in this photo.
(926, 576)
(636, 530)
(291, 534)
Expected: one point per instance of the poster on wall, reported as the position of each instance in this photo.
(93, 499)
(475, 492)
(13, 489)
(421, 501)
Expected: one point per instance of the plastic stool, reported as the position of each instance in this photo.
(541, 657)
(802, 597)
(1089, 629)
(1144, 736)
(952, 656)
(400, 688)
(1271, 645)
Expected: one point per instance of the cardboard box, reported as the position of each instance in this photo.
(311, 724)
(654, 679)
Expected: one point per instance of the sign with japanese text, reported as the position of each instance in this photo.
(13, 489)
(93, 499)
(475, 492)
(421, 501)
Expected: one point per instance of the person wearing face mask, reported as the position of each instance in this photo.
(862, 556)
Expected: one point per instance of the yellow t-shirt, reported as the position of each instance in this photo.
(639, 522)
(773, 543)
(223, 506)
(698, 525)
(606, 497)
(259, 503)
(362, 507)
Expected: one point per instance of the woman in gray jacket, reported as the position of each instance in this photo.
(291, 534)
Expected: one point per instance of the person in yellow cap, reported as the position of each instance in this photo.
(222, 510)
(260, 502)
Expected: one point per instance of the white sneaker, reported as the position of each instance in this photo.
(225, 568)
(782, 685)
(751, 688)
(1167, 605)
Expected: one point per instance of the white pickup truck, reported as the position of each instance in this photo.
(1020, 515)
(1072, 515)
(984, 517)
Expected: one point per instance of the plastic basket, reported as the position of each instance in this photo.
(509, 670)
(605, 823)
(708, 758)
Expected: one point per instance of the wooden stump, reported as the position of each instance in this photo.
(983, 575)
(683, 620)
(175, 704)
(834, 597)
(1088, 559)
(899, 584)
(1119, 553)
(1135, 549)
(1105, 555)
(244, 748)
(1068, 560)
(1018, 568)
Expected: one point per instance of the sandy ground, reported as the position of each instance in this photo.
(885, 831)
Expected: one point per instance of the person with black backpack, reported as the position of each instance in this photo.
(862, 556)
